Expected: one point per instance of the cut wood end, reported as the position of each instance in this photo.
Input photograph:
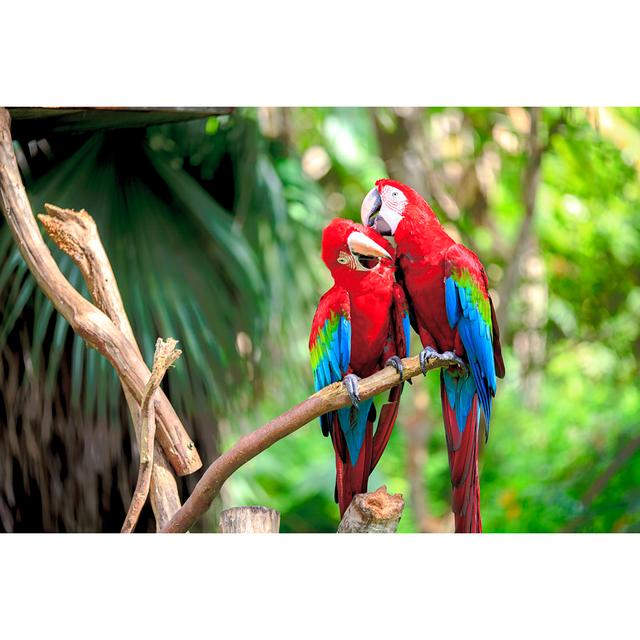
(375, 512)
(381, 505)
(254, 519)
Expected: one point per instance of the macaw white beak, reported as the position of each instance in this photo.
(361, 244)
(370, 206)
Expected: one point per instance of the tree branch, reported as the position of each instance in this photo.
(249, 446)
(165, 355)
(86, 320)
(76, 233)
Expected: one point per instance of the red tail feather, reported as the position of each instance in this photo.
(351, 480)
(463, 465)
(388, 416)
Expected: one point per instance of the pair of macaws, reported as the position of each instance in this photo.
(362, 324)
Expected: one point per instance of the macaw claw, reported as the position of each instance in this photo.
(429, 352)
(396, 363)
(350, 381)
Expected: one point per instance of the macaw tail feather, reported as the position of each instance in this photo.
(351, 478)
(461, 423)
(388, 416)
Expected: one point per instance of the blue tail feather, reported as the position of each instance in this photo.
(354, 430)
(460, 392)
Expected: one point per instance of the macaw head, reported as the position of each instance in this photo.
(352, 251)
(388, 204)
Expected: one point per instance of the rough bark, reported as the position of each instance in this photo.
(377, 512)
(165, 355)
(249, 520)
(330, 398)
(85, 319)
(76, 233)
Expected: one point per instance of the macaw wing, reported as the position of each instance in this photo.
(469, 310)
(330, 343)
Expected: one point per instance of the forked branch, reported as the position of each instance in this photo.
(165, 355)
(85, 318)
(76, 233)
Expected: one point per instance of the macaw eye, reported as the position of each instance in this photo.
(343, 260)
(394, 194)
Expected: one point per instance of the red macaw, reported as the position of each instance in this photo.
(360, 326)
(451, 310)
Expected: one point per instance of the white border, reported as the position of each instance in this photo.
(319, 586)
(333, 52)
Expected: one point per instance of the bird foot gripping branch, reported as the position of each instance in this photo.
(429, 353)
(350, 382)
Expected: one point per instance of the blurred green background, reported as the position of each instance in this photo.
(213, 229)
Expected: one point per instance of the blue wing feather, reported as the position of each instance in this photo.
(475, 333)
(406, 327)
(331, 355)
(331, 350)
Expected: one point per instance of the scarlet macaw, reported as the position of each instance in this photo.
(451, 310)
(360, 326)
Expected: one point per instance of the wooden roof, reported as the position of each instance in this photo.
(36, 122)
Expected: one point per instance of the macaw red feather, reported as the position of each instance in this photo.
(450, 308)
(463, 463)
(358, 325)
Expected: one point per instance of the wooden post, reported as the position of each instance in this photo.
(249, 520)
(376, 512)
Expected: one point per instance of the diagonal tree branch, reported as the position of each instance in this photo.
(86, 320)
(248, 447)
(165, 355)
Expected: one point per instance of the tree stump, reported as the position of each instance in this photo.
(249, 520)
(377, 512)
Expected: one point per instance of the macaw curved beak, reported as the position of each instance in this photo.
(370, 213)
(371, 204)
(362, 245)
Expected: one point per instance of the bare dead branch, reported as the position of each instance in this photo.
(249, 446)
(376, 512)
(165, 355)
(86, 320)
(249, 520)
(76, 233)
